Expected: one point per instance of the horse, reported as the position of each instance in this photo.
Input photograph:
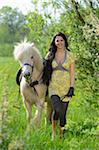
(32, 88)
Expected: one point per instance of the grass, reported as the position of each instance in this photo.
(82, 130)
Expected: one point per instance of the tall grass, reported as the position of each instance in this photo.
(82, 119)
(4, 118)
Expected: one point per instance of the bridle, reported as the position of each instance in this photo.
(30, 82)
(20, 75)
(28, 78)
(27, 64)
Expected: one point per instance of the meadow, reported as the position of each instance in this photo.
(82, 129)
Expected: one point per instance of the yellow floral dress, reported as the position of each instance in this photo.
(60, 81)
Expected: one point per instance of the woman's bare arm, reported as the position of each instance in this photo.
(72, 74)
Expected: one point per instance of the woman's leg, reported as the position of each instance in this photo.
(55, 114)
(54, 121)
(64, 106)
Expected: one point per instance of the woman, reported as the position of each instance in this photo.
(60, 68)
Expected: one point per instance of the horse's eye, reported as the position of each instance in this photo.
(31, 57)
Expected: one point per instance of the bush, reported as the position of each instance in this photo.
(6, 49)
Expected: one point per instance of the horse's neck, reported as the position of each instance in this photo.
(36, 74)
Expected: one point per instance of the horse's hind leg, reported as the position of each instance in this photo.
(28, 107)
(48, 114)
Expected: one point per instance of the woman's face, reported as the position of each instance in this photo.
(59, 42)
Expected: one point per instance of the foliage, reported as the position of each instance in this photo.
(12, 29)
(14, 22)
(6, 49)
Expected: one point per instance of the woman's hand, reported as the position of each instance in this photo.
(70, 92)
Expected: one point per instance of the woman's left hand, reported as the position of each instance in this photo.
(70, 92)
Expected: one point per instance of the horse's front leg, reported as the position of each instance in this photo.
(38, 113)
(28, 107)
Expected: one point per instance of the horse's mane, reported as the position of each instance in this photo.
(27, 47)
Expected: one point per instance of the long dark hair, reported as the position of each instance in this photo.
(53, 47)
(47, 70)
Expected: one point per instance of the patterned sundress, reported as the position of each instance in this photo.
(60, 81)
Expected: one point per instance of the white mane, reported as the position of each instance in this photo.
(28, 48)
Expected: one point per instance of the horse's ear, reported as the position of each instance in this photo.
(18, 76)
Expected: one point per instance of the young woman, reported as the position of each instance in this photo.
(60, 69)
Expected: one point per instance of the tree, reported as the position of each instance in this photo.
(35, 25)
(14, 21)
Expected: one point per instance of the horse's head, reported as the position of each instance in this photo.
(29, 59)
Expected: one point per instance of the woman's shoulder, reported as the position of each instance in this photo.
(70, 56)
(69, 53)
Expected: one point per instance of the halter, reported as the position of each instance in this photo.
(35, 82)
(26, 64)
(31, 83)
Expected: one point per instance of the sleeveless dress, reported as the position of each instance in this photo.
(60, 81)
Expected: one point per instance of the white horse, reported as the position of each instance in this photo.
(32, 88)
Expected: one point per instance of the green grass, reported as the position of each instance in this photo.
(82, 119)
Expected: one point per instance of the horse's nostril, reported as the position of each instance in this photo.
(27, 74)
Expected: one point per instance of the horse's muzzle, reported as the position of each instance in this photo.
(27, 75)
